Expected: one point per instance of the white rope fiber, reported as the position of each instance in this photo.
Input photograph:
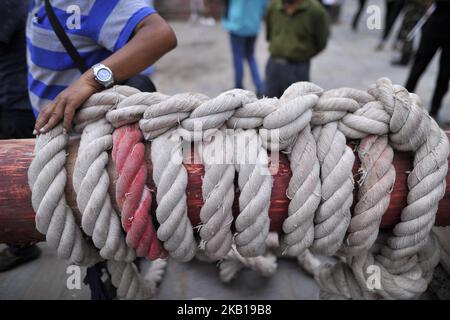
(235, 132)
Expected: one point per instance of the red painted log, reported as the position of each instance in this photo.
(17, 216)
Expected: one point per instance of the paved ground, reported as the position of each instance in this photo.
(202, 63)
(46, 278)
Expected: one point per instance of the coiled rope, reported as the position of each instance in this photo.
(310, 125)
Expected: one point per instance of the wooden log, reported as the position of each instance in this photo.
(17, 215)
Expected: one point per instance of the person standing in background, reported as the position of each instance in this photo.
(297, 30)
(242, 20)
(333, 8)
(393, 10)
(355, 20)
(435, 36)
(16, 117)
(414, 11)
(200, 13)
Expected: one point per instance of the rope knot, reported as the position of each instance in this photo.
(99, 104)
(169, 113)
(409, 124)
(131, 108)
(214, 113)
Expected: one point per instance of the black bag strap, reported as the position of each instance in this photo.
(64, 39)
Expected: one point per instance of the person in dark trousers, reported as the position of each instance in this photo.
(297, 30)
(357, 16)
(435, 36)
(393, 10)
(414, 11)
(242, 20)
(16, 116)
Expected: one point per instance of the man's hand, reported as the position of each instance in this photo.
(66, 103)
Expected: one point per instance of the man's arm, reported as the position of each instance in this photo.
(153, 38)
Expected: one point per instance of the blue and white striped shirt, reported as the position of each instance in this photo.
(104, 27)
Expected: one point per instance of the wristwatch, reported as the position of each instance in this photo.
(103, 75)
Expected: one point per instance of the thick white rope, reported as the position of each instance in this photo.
(169, 174)
(265, 265)
(213, 113)
(154, 275)
(168, 112)
(375, 184)
(170, 178)
(400, 256)
(305, 186)
(310, 125)
(125, 277)
(47, 178)
(336, 163)
(131, 109)
(218, 194)
(91, 180)
(304, 193)
(255, 185)
(91, 184)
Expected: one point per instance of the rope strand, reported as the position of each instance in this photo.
(310, 125)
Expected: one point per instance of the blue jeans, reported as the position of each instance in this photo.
(244, 48)
(280, 74)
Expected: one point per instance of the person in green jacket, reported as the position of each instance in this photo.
(297, 30)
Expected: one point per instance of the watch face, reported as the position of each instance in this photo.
(104, 75)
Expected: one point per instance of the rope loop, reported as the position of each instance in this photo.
(236, 136)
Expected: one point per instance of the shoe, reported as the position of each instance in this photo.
(11, 258)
